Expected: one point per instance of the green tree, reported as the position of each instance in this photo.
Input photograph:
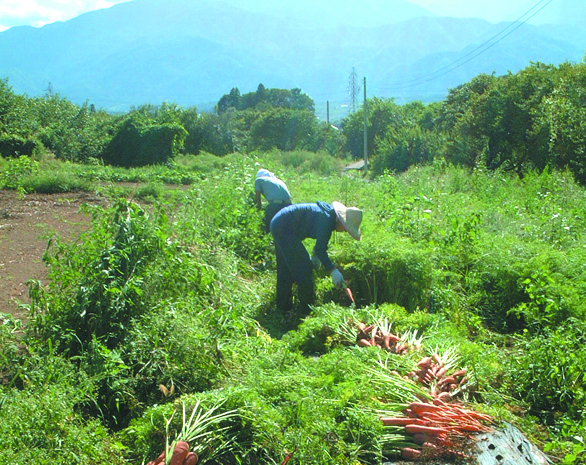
(564, 114)
(284, 129)
(139, 141)
(383, 116)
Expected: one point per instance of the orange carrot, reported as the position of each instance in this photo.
(431, 430)
(447, 380)
(444, 395)
(179, 453)
(441, 371)
(410, 413)
(363, 343)
(160, 459)
(409, 453)
(190, 459)
(461, 372)
(419, 407)
(425, 362)
(387, 342)
(396, 421)
(422, 439)
(349, 294)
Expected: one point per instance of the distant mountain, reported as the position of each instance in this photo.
(193, 52)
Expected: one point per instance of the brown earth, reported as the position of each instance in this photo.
(26, 225)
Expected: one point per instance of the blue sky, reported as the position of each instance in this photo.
(40, 12)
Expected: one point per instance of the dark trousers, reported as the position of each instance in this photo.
(270, 211)
(293, 266)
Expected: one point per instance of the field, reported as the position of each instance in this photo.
(25, 226)
(156, 300)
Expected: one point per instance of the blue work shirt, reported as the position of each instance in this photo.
(308, 220)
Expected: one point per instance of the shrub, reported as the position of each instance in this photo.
(548, 373)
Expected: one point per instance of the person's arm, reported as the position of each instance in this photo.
(321, 244)
(257, 200)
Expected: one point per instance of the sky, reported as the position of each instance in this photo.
(40, 12)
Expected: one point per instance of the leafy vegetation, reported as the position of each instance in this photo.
(158, 322)
(168, 304)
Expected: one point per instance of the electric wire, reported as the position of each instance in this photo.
(434, 75)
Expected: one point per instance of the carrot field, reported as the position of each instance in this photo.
(156, 325)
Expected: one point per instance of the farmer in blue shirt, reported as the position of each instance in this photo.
(274, 191)
(289, 228)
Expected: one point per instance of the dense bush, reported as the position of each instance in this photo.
(136, 142)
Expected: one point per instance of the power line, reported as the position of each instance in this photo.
(434, 75)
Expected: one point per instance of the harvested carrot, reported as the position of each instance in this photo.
(431, 430)
(425, 362)
(421, 439)
(447, 380)
(396, 421)
(441, 372)
(410, 413)
(408, 453)
(419, 407)
(179, 453)
(458, 373)
(190, 459)
(364, 343)
(444, 395)
(387, 342)
(349, 294)
(402, 421)
(394, 338)
(159, 460)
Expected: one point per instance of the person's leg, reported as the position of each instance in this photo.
(284, 282)
(270, 211)
(303, 276)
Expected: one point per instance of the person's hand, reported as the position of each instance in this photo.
(316, 262)
(337, 278)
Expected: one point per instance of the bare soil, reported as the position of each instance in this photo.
(26, 225)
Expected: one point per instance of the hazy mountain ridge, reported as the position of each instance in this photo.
(148, 51)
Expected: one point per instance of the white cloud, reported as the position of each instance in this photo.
(40, 12)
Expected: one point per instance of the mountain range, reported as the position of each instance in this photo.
(191, 52)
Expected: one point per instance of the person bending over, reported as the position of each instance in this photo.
(289, 227)
(274, 191)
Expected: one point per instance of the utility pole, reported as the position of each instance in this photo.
(365, 132)
(353, 89)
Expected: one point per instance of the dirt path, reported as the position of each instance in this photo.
(26, 224)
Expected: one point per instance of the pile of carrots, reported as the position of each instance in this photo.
(432, 372)
(437, 429)
(373, 336)
(181, 456)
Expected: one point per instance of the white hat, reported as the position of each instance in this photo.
(262, 173)
(350, 217)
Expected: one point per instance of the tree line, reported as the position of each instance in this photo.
(529, 120)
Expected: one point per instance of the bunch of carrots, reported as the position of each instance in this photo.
(438, 429)
(374, 336)
(434, 373)
(180, 455)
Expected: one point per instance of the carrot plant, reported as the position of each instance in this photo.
(174, 300)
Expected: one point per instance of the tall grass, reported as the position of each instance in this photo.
(182, 292)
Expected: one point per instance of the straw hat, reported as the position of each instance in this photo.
(350, 217)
